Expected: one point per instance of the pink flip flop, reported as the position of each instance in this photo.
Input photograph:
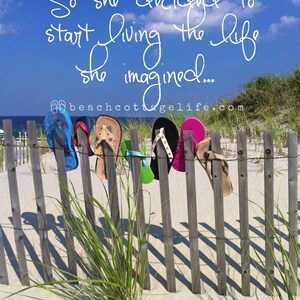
(197, 131)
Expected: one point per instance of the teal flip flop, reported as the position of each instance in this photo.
(147, 175)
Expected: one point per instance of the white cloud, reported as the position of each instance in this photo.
(5, 8)
(276, 29)
(164, 20)
(296, 2)
(7, 29)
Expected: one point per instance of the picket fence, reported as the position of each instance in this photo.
(165, 201)
(21, 150)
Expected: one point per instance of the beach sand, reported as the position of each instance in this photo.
(177, 182)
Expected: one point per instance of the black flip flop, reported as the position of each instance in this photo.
(170, 141)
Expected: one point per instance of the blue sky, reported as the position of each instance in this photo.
(38, 69)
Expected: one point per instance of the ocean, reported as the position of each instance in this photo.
(19, 122)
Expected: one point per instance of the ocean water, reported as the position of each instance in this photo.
(19, 122)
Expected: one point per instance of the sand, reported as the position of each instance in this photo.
(206, 226)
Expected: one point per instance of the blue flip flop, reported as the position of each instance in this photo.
(61, 121)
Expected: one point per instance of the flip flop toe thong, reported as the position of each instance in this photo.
(168, 134)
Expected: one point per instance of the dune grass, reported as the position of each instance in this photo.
(109, 258)
(283, 264)
(269, 103)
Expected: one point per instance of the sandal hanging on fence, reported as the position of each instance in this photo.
(197, 132)
(108, 130)
(60, 121)
(147, 175)
(86, 125)
(169, 136)
(205, 157)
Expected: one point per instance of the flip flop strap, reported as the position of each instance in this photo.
(210, 155)
(107, 136)
(132, 153)
(162, 137)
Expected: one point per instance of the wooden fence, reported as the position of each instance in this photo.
(165, 207)
(21, 150)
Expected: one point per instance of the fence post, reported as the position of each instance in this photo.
(269, 209)
(86, 177)
(2, 156)
(3, 268)
(40, 200)
(244, 211)
(219, 214)
(293, 205)
(20, 148)
(15, 202)
(166, 214)
(192, 210)
(110, 168)
(64, 194)
(138, 195)
(26, 144)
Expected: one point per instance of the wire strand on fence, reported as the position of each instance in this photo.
(157, 157)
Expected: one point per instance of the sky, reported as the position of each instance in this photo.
(139, 57)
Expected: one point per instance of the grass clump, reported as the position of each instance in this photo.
(144, 128)
(266, 103)
(283, 264)
(110, 259)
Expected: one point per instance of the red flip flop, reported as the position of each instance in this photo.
(86, 125)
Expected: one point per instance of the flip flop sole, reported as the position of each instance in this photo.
(197, 132)
(147, 175)
(202, 150)
(61, 121)
(171, 134)
(85, 124)
(115, 128)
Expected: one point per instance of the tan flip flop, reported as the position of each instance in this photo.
(107, 129)
(205, 157)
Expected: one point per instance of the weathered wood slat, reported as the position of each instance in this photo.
(166, 214)
(139, 200)
(293, 205)
(3, 267)
(219, 214)
(269, 209)
(192, 210)
(15, 202)
(110, 168)
(64, 194)
(40, 200)
(244, 211)
(86, 177)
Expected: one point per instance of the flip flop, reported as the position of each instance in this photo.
(197, 131)
(107, 129)
(146, 173)
(60, 121)
(169, 137)
(86, 125)
(205, 157)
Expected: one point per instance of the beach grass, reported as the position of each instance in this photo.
(143, 127)
(283, 264)
(43, 146)
(111, 258)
